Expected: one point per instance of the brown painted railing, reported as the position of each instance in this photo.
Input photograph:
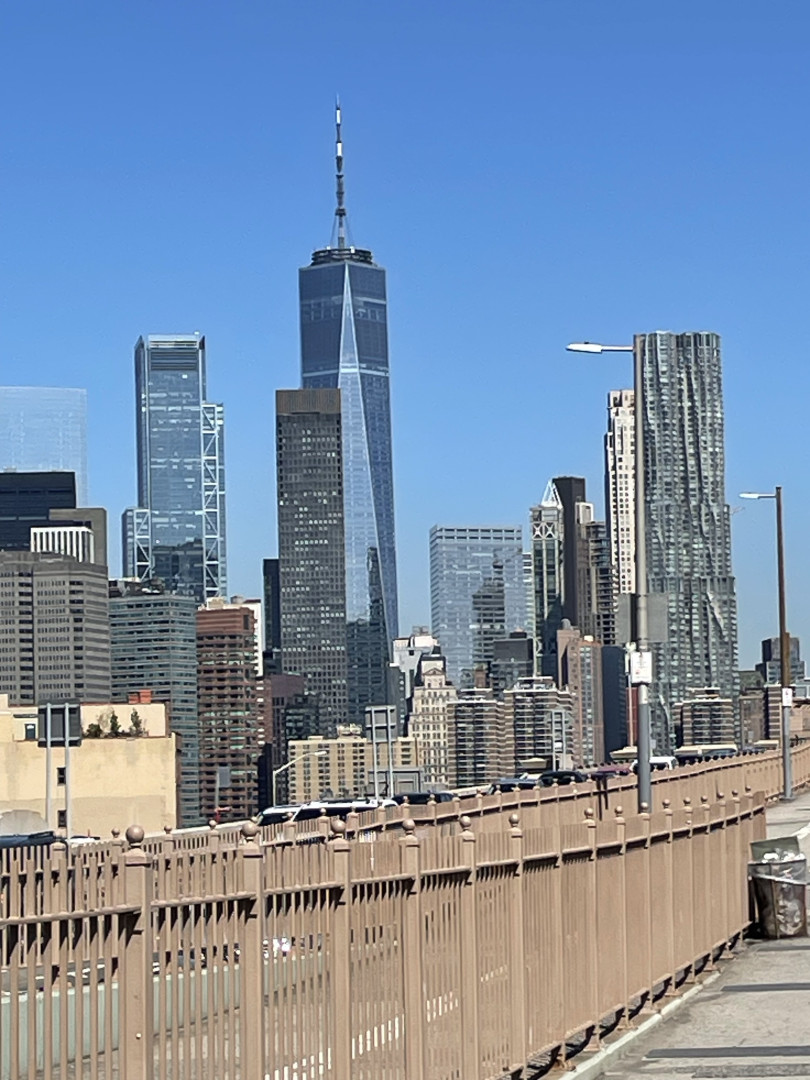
(492, 941)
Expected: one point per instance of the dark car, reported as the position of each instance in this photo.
(422, 798)
(562, 776)
(512, 783)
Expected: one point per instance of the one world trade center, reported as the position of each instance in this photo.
(344, 344)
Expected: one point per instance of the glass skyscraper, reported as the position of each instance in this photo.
(476, 573)
(344, 345)
(44, 429)
(177, 531)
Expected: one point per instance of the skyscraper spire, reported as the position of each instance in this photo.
(340, 212)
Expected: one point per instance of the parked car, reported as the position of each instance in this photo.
(512, 783)
(562, 777)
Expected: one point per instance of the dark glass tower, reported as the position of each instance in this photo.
(344, 345)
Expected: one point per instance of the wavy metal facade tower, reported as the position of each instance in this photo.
(344, 345)
(688, 521)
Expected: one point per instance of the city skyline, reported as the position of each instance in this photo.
(211, 248)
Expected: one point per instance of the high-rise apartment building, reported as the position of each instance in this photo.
(54, 629)
(228, 708)
(44, 429)
(177, 531)
(344, 346)
(482, 744)
(706, 717)
(580, 672)
(596, 600)
(312, 568)
(547, 573)
(540, 718)
(154, 647)
(688, 521)
(620, 488)
(429, 723)
(477, 592)
(770, 667)
(513, 659)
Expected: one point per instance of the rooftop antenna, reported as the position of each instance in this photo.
(340, 212)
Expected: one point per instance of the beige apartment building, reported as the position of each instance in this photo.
(113, 780)
(429, 723)
(344, 766)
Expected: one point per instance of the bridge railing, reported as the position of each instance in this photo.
(500, 939)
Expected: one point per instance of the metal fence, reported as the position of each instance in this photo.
(496, 941)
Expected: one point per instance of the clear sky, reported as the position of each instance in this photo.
(528, 172)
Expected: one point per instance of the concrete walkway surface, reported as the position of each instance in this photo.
(752, 1020)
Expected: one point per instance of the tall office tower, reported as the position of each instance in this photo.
(44, 429)
(177, 531)
(571, 492)
(461, 561)
(541, 720)
(482, 747)
(311, 552)
(547, 563)
(429, 720)
(26, 501)
(489, 615)
(580, 671)
(770, 668)
(620, 488)
(344, 346)
(54, 629)
(154, 647)
(407, 656)
(228, 709)
(688, 521)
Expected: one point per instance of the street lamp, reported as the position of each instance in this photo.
(292, 761)
(784, 639)
(641, 659)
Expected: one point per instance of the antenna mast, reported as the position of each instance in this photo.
(340, 212)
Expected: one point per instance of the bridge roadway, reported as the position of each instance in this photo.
(752, 1020)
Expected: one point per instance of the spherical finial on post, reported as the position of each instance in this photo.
(249, 830)
(115, 833)
(409, 826)
(619, 811)
(167, 829)
(644, 808)
(338, 826)
(687, 801)
(135, 835)
(514, 820)
(465, 822)
(589, 813)
(212, 824)
(666, 804)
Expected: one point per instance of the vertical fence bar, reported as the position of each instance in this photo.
(135, 986)
(342, 953)
(412, 955)
(517, 958)
(251, 960)
(470, 1052)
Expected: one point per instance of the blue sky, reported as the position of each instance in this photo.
(528, 172)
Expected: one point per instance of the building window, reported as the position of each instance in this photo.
(30, 732)
(61, 819)
(60, 775)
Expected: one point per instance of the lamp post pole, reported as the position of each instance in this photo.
(282, 768)
(785, 679)
(641, 659)
(644, 669)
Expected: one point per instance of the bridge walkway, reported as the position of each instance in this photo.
(750, 1020)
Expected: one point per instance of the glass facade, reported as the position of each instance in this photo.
(181, 470)
(44, 429)
(344, 345)
(477, 592)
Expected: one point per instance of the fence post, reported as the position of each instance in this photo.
(621, 837)
(412, 955)
(342, 952)
(251, 955)
(136, 988)
(517, 957)
(669, 886)
(470, 1052)
(590, 825)
(691, 973)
